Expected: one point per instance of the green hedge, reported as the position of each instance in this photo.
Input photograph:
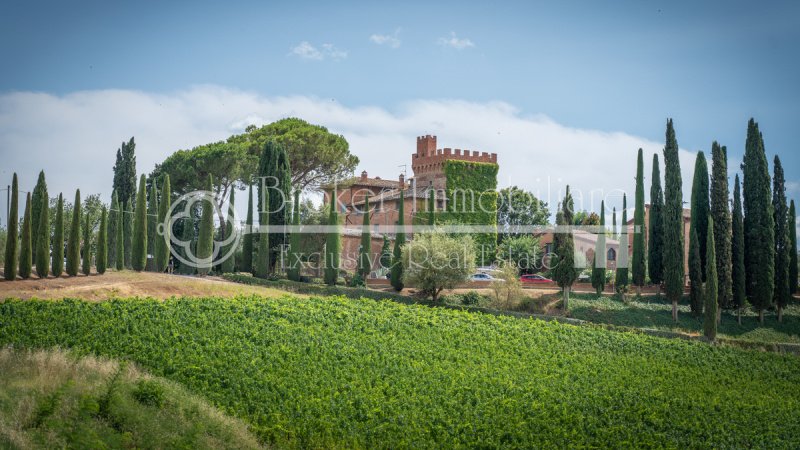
(472, 200)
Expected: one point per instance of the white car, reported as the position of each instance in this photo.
(483, 277)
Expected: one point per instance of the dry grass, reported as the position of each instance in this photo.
(129, 284)
(73, 387)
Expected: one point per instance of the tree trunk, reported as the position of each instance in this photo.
(780, 314)
(658, 290)
(638, 291)
(675, 311)
(566, 298)
(739, 313)
(719, 315)
(761, 316)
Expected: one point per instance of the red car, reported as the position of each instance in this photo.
(534, 279)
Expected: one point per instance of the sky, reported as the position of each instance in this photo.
(564, 92)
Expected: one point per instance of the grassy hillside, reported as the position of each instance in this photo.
(331, 372)
(49, 399)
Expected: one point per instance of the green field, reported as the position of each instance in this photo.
(335, 372)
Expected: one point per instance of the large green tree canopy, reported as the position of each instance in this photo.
(516, 209)
(316, 156)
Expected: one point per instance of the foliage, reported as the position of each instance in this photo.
(247, 239)
(333, 244)
(365, 250)
(673, 221)
(518, 208)
(792, 248)
(523, 251)
(101, 259)
(275, 175)
(149, 393)
(125, 172)
(655, 244)
(506, 287)
(359, 373)
(86, 251)
(152, 221)
(472, 200)
(399, 241)
(113, 212)
(317, 157)
(696, 291)
(599, 262)
(58, 238)
(737, 250)
(759, 223)
(205, 236)
(638, 263)
(721, 214)
(386, 253)
(294, 263)
(585, 218)
(564, 271)
(12, 249)
(25, 250)
(41, 244)
(700, 207)
(621, 280)
(162, 240)
(710, 295)
(127, 232)
(318, 288)
(74, 240)
(38, 198)
(139, 249)
(781, 295)
(434, 261)
(227, 266)
(120, 239)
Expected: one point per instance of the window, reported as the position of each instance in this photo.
(612, 254)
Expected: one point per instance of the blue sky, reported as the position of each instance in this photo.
(621, 68)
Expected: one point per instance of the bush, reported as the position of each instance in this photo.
(149, 392)
(434, 261)
(471, 298)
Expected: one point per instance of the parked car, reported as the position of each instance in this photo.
(584, 278)
(534, 279)
(483, 277)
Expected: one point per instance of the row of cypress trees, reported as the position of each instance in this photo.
(32, 244)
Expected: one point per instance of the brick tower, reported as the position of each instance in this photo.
(428, 162)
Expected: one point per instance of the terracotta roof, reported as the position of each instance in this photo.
(366, 182)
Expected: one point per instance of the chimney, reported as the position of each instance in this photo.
(364, 175)
(402, 181)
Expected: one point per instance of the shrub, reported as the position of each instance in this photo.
(434, 261)
(149, 392)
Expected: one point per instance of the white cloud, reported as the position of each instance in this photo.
(74, 138)
(387, 39)
(455, 42)
(305, 50)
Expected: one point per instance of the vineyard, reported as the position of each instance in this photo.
(336, 372)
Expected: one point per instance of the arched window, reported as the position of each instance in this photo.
(612, 254)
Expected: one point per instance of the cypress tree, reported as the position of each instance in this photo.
(759, 223)
(152, 219)
(792, 249)
(386, 253)
(227, 266)
(781, 295)
(695, 278)
(38, 198)
(655, 243)
(127, 232)
(43, 239)
(722, 225)
(431, 206)
(25, 251)
(188, 236)
(673, 222)
(125, 172)
(599, 263)
(58, 239)
(399, 242)
(710, 322)
(614, 234)
(12, 248)
(86, 254)
(638, 268)
(332, 245)
(261, 258)
(737, 252)
(247, 239)
(119, 241)
(74, 241)
(205, 236)
(274, 174)
(621, 281)
(101, 259)
(293, 270)
(113, 213)
(700, 207)
(139, 250)
(564, 272)
(365, 249)
(162, 240)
